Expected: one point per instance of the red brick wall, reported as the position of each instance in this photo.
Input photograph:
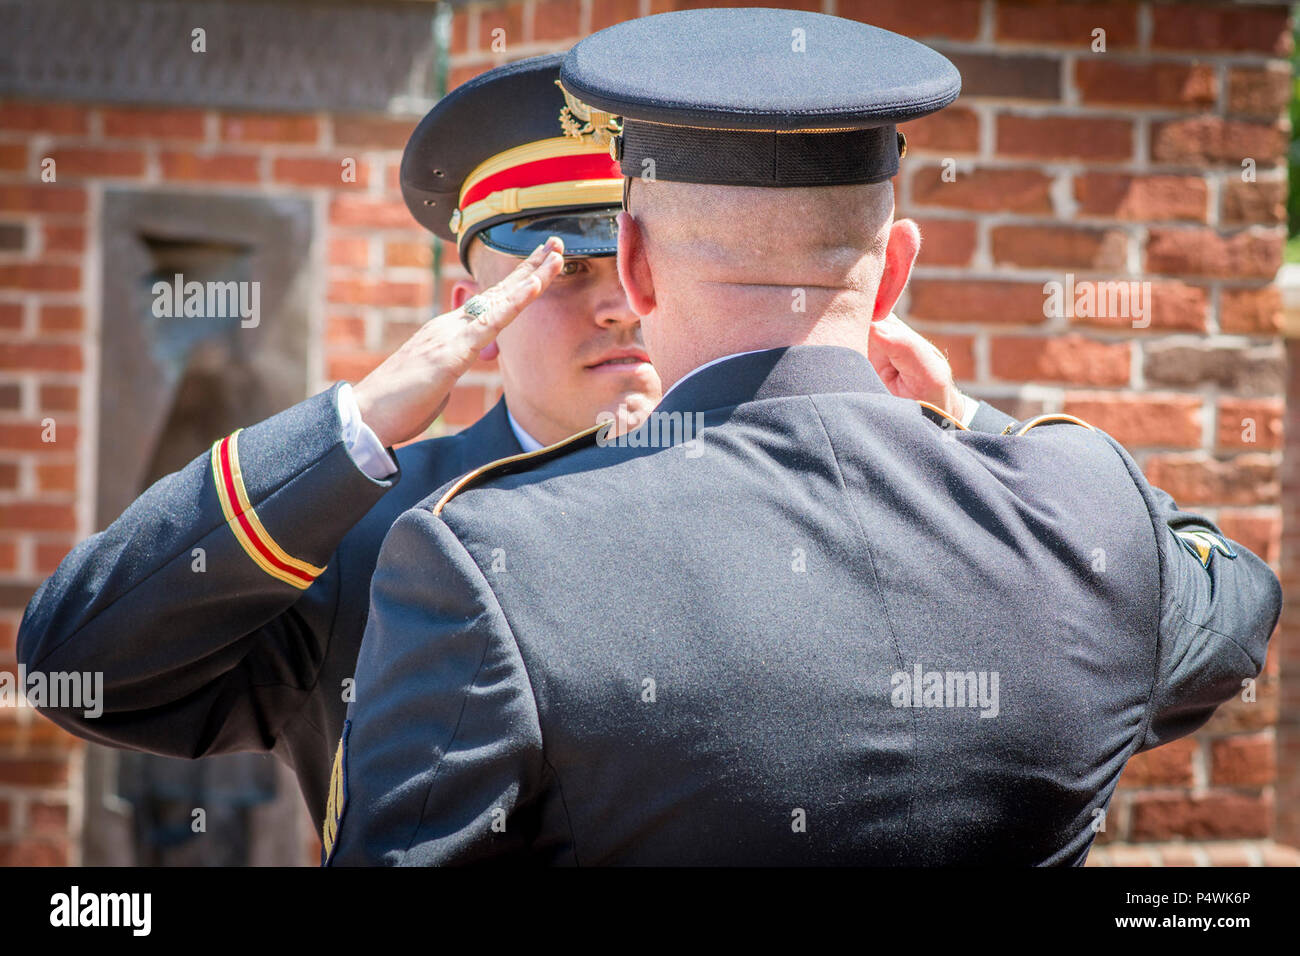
(1288, 729)
(1123, 164)
(375, 286)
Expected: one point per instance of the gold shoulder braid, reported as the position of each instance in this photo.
(949, 423)
(940, 417)
(514, 463)
(1049, 420)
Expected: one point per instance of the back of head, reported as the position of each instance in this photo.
(758, 173)
(737, 268)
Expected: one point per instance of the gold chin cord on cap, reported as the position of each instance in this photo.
(902, 144)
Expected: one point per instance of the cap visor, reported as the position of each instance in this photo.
(586, 233)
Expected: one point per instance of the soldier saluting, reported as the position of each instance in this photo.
(700, 658)
(253, 654)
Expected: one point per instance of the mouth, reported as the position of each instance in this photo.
(622, 360)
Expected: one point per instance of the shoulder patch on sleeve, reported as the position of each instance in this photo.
(940, 417)
(1202, 544)
(522, 462)
(1051, 420)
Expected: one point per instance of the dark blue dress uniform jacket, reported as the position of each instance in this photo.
(232, 658)
(685, 655)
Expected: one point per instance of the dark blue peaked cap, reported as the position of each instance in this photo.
(758, 96)
(493, 159)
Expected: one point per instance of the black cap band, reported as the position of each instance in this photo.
(688, 154)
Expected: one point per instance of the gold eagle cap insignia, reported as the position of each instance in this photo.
(577, 119)
(1202, 544)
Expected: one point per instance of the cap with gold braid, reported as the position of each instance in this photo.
(507, 159)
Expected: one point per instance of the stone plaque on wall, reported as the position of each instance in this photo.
(255, 54)
(204, 330)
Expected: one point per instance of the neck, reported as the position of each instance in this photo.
(698, 343)
(541, 427)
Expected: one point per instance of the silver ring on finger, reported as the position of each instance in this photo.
(476, 306)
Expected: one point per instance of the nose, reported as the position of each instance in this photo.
(612, 309)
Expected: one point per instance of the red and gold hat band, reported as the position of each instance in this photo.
(563, 171)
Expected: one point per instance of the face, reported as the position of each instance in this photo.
(574, 353)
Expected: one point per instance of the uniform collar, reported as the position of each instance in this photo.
(708, 364)
(526, 441)
(773, 373)
(492, 435)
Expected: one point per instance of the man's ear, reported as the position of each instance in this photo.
(461, 292)
(900, 255)
(634, 266)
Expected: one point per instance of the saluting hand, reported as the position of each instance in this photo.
(913, 367)
(410, 388)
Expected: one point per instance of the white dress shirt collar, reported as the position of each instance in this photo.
(526, 441)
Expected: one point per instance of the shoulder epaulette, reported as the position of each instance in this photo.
(1053, 419)
(940, 417)
(521, 462)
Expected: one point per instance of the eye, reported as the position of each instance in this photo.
(573, 267)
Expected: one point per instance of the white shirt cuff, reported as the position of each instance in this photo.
(362, 443)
